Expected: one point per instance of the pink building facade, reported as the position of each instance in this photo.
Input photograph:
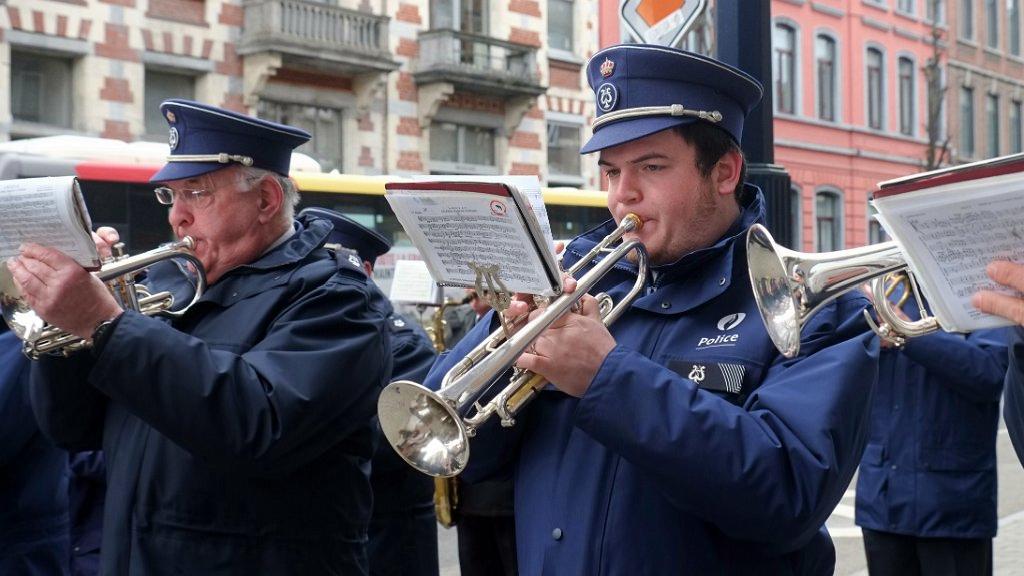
(851, 101)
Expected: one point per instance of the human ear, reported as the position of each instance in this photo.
(271, 199)
(726, 173)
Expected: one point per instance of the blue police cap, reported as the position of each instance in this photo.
(369, 244)
(641, 89)
(206, 138)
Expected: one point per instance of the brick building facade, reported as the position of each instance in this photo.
(385, 86)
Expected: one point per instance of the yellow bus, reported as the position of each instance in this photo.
(115, 181)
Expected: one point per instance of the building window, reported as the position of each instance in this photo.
(1016, 143)
(784, 69)
(40, 86)
(905, 6)
(966, 122)
(462, 15)
(825, 56)
(563, 150)
(828, 219)
(992, 114)
(876, 88)
(907, 96)
(1013, 26)
(560, 25)
(159, 87)
(876, 233)
(936, 10)
(992, 23)
(967, 19)
(457, 148)
(324, 124)
(796, 220)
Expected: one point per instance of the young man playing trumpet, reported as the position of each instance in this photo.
(238, 436)
(679, 441)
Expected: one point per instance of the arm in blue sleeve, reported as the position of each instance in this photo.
(17, 426)
(770, 471)
(312, 380)
(493, 449)
(974, 366)
(413, 356)
(1013, 403)
(69, 411)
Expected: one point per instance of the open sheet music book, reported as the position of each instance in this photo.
(462, 224)
(951, 223)
(49, 212)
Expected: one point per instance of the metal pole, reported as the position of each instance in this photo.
(743, 39)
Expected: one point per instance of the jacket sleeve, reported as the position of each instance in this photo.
(17, 427)
(973, 366)
(1013, 402)
(770, 471)
(311, 381)
(493, 448)
(69, 411)
(413, 355)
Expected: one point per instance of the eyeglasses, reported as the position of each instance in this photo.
(197, 198)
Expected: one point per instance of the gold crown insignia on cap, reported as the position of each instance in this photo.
(607, 68)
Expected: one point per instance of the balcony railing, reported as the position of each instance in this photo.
(314, 30)
(450, 55)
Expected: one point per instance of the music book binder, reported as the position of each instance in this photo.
(950, 223)
(459, 226)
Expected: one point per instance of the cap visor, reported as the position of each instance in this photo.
(182, 170)
(628, 130)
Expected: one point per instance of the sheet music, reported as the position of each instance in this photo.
(456, 229)
(528, 186)
(412, 284)
(950, 234)
(49, 212)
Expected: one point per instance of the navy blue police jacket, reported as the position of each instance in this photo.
(403, 530)
(1013, 401)
(929, 468)
(698, 448)
(87, 486)
(405, 489)
(237, 438)
(33, 478)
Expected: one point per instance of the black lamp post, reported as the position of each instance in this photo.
(743, 38)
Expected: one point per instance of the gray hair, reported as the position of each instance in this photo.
(291, 191)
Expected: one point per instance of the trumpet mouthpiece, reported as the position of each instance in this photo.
(637, 222)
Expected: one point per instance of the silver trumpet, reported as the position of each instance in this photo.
(118, 273)
(790, 286)
(431, 430)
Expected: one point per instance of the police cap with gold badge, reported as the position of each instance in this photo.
(206, 138)
(348, 233)
(642, 89)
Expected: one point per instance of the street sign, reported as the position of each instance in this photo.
(662, 22)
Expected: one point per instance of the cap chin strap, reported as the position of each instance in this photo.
(673, 110)
(222, 158)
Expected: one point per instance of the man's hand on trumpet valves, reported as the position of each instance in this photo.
(61, 291)
(570, 352)
(1010, 307)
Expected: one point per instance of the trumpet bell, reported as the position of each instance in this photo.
(776, 301)
(424, 429)
(19, 317)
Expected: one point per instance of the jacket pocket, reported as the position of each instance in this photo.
(956, 457)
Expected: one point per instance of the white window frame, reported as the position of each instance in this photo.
(565, 120)
(797, 68)
(837, 98)
(837, 194)
(914, 116)
(884, 104)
